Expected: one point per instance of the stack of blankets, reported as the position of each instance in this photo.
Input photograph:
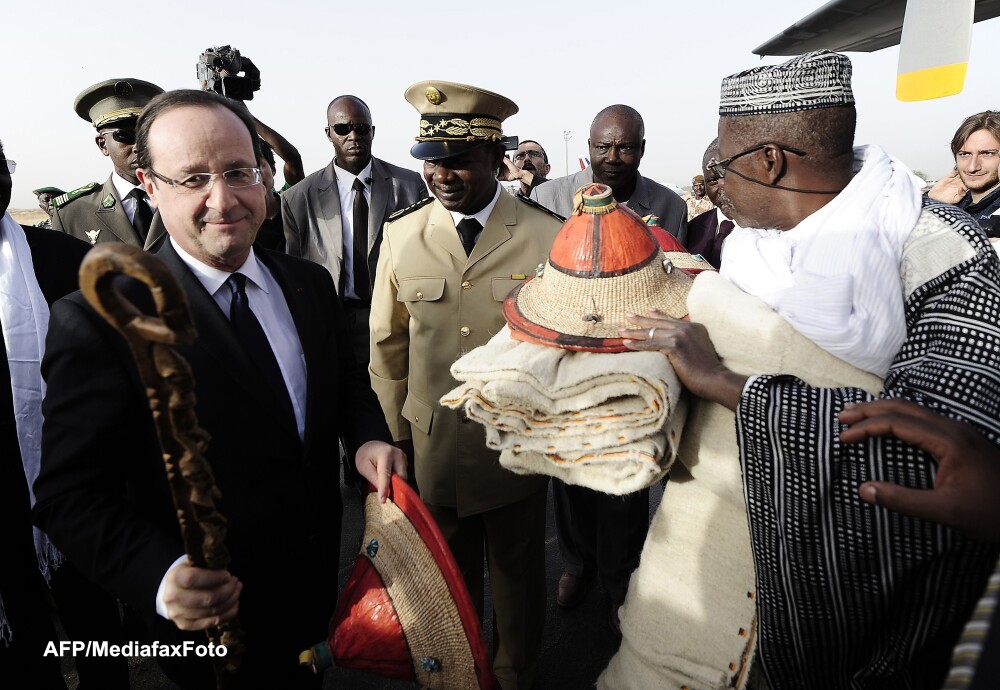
(606, 421)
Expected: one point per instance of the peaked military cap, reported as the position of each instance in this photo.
(455, 118)
(54, 191)
(698, 179)
(114, 100)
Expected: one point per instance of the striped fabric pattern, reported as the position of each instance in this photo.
(851, 596)
(969, 649)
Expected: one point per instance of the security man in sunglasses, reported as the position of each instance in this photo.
(334, 217)
(118, 211)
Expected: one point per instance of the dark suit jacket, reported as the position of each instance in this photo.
(310, 211)
(56, 259)
(90, 219)
(703, 237)
(103, 496)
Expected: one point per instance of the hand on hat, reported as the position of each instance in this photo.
(377, 461)
(691, 354)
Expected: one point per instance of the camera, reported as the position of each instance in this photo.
(219, 68)
(510, 143)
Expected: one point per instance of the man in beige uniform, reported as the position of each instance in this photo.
(445, 266)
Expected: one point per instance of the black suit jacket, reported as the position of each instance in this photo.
(103, 496)
(55, 258)
(704, 239)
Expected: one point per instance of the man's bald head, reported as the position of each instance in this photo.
(347, 98)
(620, 113)
(617, 144)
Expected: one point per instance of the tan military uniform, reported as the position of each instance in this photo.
(97, 216)
(432, 304)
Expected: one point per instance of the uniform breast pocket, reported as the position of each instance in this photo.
(502, 287)
(413, 291)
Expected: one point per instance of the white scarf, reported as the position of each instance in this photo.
(835, 276)
(25, 317)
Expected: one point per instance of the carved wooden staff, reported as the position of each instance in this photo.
(170, 388)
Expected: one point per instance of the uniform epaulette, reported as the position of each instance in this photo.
(75, 194)
(532, 202)
(409, 209)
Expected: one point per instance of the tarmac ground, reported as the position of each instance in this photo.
(576, 646)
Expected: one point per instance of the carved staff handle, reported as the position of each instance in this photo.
(170, 388)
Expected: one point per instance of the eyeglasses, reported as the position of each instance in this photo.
(521, 155)
(122, 136)
(7, 165)
(237, 178)
(342, 129)
(719, 168)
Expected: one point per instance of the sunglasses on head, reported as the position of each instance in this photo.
(342, 129)
(122, 136)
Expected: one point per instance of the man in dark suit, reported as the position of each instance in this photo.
(118, 210)
(321, 212)
(276, 385)
(617, 143)
(708, 231)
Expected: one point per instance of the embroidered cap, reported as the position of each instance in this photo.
(114, 100)
(821, 79)
(455, 118)
(698, 179)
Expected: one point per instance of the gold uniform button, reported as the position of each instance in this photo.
(466, 331)
(416, 419)
(420, 295)
(466, 285)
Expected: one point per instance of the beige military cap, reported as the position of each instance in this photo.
(114, 100)
(456, 117)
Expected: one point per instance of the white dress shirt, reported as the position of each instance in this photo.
(483, 215)
(123, 188)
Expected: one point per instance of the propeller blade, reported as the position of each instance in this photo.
(934, 49)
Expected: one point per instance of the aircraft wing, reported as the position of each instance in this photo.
(853, 25)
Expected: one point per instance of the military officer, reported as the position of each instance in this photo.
(118, 211)
(45, 195)
(445, 266)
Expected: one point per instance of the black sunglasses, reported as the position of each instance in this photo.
(122, 136)
(342, 129)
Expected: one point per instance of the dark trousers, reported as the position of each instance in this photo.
(600, 534)
(356, 315)
(513, 537)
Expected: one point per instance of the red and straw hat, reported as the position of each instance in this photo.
(605, 263)
(405, 611)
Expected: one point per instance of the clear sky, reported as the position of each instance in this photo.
(560, 62)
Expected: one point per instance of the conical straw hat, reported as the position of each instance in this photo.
(604, 264)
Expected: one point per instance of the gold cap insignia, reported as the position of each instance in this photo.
(123, 89)
(433, 95)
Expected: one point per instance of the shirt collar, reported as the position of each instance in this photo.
(214, 278)
(122, 186)
(346, 178)
(483, 214)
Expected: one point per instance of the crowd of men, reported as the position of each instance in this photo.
(329, 313)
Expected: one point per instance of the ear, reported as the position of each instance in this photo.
(774, 163)
(545, 169)
(642, 149)
(101, 144)
(329, 136)
(146, 180)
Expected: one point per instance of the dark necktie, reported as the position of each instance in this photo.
(362, 282)
(251, 335)
(468, 228)
(725, 227)
(142, 217)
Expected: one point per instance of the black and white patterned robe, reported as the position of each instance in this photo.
(851, 595)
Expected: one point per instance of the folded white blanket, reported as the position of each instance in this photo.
(593, 419)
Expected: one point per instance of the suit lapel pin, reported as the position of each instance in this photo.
(109, 201)
(92, 235)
